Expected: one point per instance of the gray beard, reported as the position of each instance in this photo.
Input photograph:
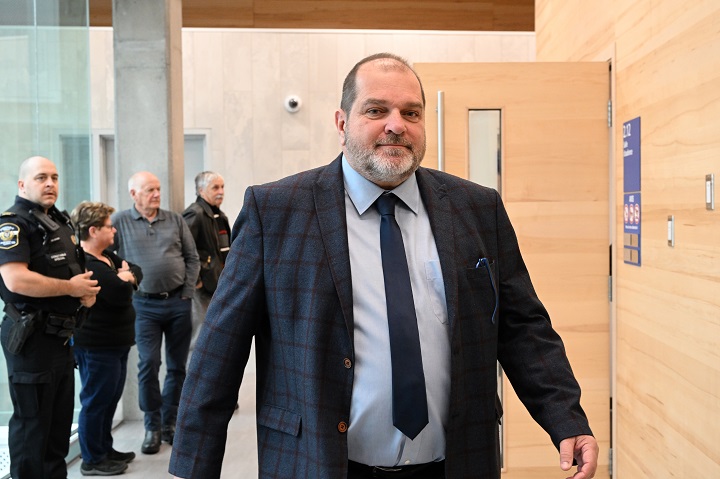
(377, 168)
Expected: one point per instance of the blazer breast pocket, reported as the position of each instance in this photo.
(483, 293)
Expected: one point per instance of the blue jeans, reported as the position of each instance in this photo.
(102, 374)
(154, 318)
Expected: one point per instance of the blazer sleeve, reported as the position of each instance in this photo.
(221, 353)
(529, 349)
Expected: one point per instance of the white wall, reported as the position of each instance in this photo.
(235, 82)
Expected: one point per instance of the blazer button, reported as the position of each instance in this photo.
(348, 363)
(342, 426)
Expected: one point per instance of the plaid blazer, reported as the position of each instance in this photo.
(287, 283)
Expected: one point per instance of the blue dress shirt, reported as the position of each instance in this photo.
(372, 438)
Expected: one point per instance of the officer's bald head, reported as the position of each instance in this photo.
(32, 164)
(38, 181)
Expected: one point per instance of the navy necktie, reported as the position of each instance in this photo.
(410, 413)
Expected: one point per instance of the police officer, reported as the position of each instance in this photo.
(46, 290)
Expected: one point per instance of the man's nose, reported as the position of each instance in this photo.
(395, 123)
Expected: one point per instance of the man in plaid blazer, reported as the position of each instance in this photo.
(301, 277)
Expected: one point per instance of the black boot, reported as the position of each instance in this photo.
(168, 434)
(151, 444)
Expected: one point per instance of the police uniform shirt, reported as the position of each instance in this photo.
(22, 240)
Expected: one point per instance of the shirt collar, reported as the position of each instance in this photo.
(52, 212)
(364, 192)
(137, 216)
(31, 205)
(207, 207)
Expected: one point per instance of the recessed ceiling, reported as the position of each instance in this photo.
(457, 15)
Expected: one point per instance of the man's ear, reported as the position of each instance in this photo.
(340, 124)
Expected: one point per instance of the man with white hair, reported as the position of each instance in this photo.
(160, 242)
(211, 230)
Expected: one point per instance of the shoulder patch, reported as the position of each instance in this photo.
(6, 214)
(9, 235)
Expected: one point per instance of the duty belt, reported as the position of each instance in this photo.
(24, 324)
(61, 325)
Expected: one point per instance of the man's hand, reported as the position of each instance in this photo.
(585, 450)
(19, 279)
(81, 285)
(88, 301)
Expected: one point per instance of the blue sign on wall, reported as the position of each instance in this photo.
(631, 189)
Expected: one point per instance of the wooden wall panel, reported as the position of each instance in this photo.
(574, 32)
(667, 72)
(219, 13)
(555, 181)
(458, 15)
(100, 13)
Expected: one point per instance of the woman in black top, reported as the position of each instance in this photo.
(103, 342)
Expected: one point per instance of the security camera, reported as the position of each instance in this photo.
(293, 103)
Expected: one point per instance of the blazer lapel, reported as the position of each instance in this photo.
(437, 203)
(329, 196)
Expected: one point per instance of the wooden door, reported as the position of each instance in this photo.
(555, 185)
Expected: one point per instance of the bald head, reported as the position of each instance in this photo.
(38, 181)
(140, 178)
(383, 61)
(144, 189)
(32, 163)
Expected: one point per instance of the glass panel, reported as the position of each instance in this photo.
(74, 158)
(44, 110)
(44, 89)
(484, 126)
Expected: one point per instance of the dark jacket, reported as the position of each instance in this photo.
(204, 228)
(288, 286)
(111, 323)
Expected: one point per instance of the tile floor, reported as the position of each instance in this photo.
(240, 454)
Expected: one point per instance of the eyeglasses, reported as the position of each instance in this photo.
(105, 226)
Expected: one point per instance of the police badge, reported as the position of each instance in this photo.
(9, 235)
